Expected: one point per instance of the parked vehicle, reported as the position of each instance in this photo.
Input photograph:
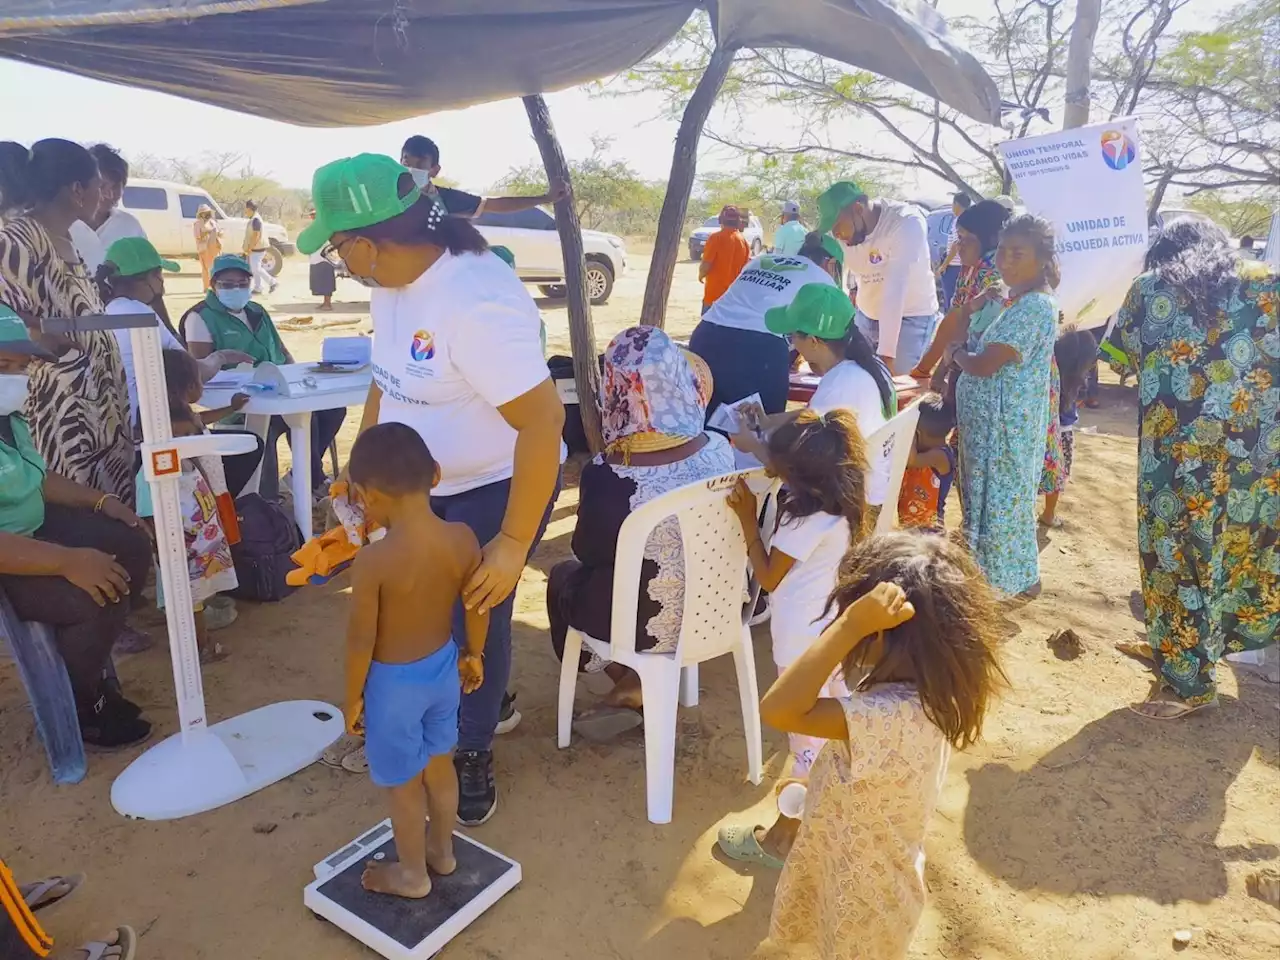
(754, 234)
(167, 211)
(531, 235)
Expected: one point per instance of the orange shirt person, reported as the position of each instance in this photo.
(723, 257)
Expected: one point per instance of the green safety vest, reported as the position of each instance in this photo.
(229, 332)
(22, 471)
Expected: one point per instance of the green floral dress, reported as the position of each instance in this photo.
(1208, 471)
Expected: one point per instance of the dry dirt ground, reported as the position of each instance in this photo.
(1074, 830)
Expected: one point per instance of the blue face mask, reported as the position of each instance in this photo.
(233, 298)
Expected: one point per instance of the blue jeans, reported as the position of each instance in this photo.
(913, 339)
(482, 509)
(950, 277)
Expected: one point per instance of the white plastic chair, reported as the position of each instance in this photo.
(894, 440)
(714, 623)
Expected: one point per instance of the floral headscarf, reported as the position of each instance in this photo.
(650, 389)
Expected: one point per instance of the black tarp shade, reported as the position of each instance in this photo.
(356, 62)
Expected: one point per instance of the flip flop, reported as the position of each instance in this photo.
(126, 943)
(738, 842)
(1135, 650)
(1180, 709)
(37, 895)
(605, 723)
(357, 761)
(338, 750)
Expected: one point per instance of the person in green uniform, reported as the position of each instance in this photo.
(229, 319)
(70, 555)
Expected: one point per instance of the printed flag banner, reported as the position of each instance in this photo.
(1088, 183)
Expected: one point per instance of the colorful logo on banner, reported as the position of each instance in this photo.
(423, 346)
(1118, 150)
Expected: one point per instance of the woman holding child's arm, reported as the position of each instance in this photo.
(457, 356)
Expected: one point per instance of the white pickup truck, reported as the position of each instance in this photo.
(167, 211)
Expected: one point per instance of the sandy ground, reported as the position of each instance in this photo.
(1074, 830)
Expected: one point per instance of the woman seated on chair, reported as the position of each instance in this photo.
(653, 398)
(227, 320)
(70, 555)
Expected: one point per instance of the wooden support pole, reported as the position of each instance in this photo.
(675, 205)
(582, 335)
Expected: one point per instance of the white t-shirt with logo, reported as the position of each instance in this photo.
(894, 272)
(123, 306)
(448, 350)
(818, 543)
(766, 282)
(848, 386)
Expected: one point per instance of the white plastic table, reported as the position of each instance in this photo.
(296, 412)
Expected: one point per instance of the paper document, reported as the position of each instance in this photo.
(229, 380)
(727, 419)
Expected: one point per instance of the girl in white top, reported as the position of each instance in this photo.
(822, 462)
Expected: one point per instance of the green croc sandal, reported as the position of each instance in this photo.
(738, 842)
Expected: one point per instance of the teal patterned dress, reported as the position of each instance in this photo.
(1003, 421)
(1208, 471)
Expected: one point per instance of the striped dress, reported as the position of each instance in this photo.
(78, 406)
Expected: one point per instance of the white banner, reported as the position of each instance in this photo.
(1088, 182)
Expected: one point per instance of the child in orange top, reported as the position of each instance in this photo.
(725, 254)
(931, 467)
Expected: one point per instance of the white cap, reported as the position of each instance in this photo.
(790, 208)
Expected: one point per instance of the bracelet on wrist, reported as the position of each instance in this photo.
(97, 507)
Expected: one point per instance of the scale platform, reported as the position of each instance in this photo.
(401, 929)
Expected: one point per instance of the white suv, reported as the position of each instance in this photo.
(531, 235)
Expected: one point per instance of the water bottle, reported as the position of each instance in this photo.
(48, 688)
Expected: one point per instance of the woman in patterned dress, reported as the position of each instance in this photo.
(1201, 331)
(653, 406)
(1002, 408)
(78, 405)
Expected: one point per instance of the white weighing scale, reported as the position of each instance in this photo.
(398, 928)
(203, 766)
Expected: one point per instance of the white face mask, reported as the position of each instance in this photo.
(13, 392)
(422, 178)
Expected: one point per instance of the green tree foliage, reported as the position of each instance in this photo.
(1247, 215)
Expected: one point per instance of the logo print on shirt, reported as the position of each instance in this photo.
(423, 346)
(875, 256)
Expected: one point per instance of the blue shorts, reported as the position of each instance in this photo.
(914, 337)
(411, 714)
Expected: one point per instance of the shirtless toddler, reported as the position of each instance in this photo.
(405, 674)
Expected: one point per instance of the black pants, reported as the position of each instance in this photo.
(743, 362)
(325, 425)
(83, 631)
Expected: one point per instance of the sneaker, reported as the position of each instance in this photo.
(509, 717)
(477, 791)
(107, 726)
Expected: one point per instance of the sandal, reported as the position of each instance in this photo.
(44, 893)
(124, 948)
(357, 761)
(605, 723)
(1135, 650)
(738, 842)
(337, 751)
(1162, 709)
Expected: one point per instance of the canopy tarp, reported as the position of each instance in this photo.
(355, 62)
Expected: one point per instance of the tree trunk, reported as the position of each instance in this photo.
(1079, 62)
(1157, 196)
(675, 205)
(582, 335)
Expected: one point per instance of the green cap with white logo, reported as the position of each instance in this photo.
(352, 193)
(818, 310)
(14, 337)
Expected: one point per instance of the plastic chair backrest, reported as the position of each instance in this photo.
(894, 440)
(715, 566)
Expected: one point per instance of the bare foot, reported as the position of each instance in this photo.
(394, 878)
(1047, 519)
(442, 861)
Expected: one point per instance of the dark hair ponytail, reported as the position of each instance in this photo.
(815, 251)
(857, 348)
(29, 178)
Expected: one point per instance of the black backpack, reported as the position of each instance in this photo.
(268, 539)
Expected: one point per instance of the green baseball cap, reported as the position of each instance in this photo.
(133, 256)
(14, 337)
(505, 255)
(818, 310)
(354, 192)
(229, 261)
(833, 247)
(834, 199)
